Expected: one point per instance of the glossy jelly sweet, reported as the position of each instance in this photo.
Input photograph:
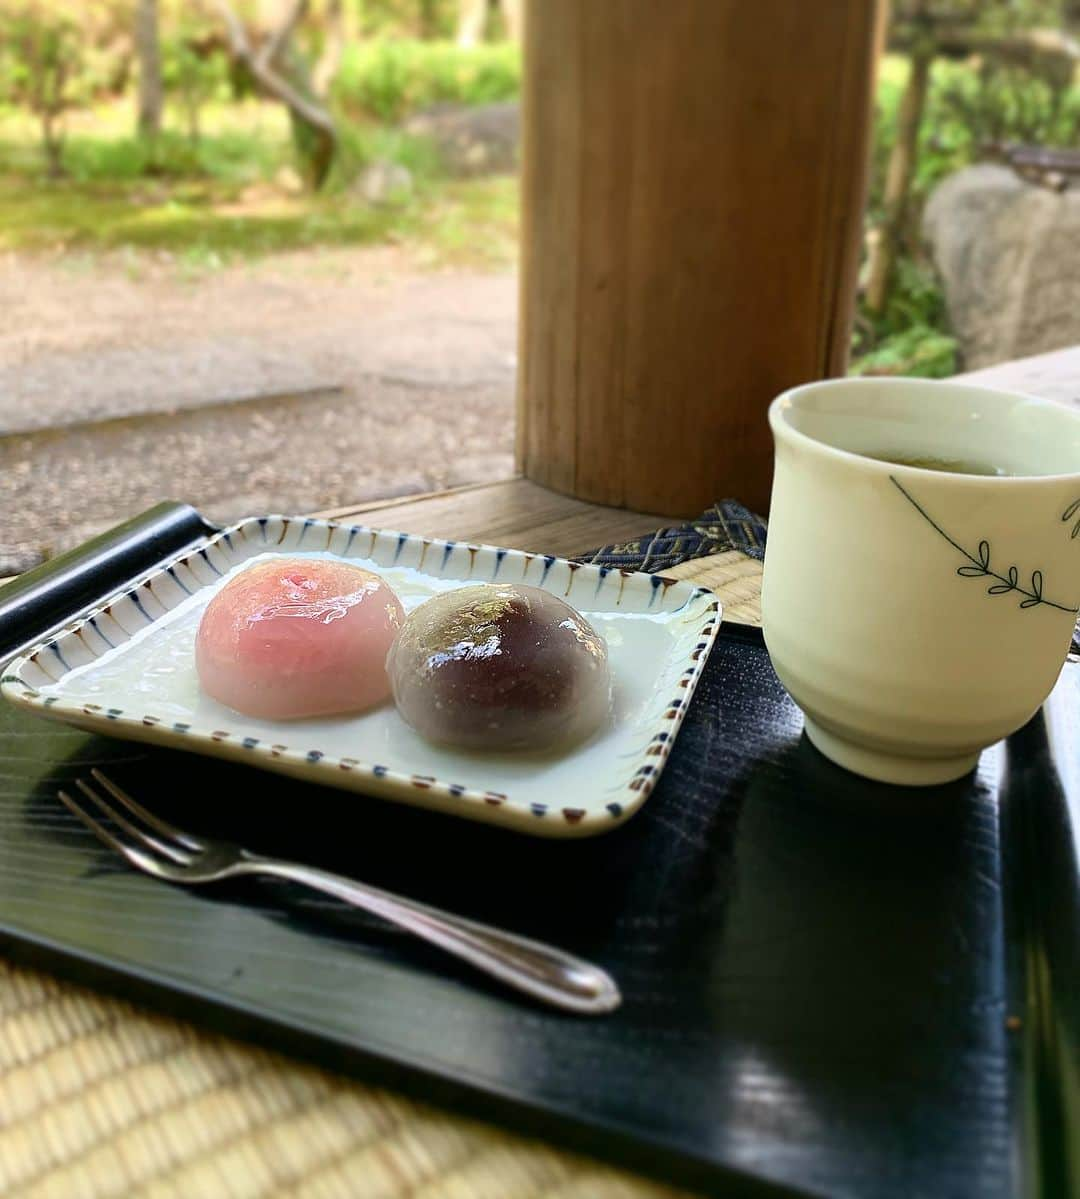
(500, 666)
(294, 637)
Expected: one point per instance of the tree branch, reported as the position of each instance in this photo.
(238, 37)
(305, 109)
(271, 50)
(960, 39)
(326, 69)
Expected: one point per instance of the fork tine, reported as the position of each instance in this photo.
(135, 856)
(148, 840)
(157, 823)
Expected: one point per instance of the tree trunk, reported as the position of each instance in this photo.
(194, 130)
(692, 200)
(148, 52)
(326, 69)
(351, 21)
(52, 138)
(888, 237)
(512, 18)
(429, 21)
(472, 17)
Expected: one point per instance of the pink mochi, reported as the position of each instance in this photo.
(297, 637)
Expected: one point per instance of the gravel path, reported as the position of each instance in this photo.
(126, 381)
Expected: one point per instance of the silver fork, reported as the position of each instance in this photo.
(155, 846)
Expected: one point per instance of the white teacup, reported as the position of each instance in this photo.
(917, 616)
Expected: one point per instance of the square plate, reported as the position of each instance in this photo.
(127, 670)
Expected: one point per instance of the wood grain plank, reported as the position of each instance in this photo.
(553, 93)
(516, 514)
(691, 218)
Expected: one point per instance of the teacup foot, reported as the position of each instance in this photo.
(888, 768)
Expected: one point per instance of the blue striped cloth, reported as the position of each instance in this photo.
(727, 525)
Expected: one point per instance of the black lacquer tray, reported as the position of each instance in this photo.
(832, 987)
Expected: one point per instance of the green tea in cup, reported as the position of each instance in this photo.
(952, 466)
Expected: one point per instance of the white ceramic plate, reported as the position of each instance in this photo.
(127, 670)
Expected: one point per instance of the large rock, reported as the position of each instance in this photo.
(384, 184)
(1009, 255)
(473, 141)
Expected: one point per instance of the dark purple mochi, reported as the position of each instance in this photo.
(500, 666)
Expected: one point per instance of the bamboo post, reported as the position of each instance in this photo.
(693, 186)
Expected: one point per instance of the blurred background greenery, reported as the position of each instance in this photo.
(222, 167)
(961, 81)
(210, 131)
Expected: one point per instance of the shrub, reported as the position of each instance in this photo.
(43, 70)
(56, 56)
(229, 157)
(968, 107)
(912, 335)
(389, 80)
(194, 74)
(919, 350)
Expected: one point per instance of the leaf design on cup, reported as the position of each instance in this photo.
(1008, 584)
(978, 566)
(1035, 596)
(1068, 514)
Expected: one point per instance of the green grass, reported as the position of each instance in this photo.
(228, 158)
(234, 194)
(188, 218)
(467, 223)
(472, 222)
(242, 142)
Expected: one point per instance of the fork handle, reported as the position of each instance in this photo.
(540, 970)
